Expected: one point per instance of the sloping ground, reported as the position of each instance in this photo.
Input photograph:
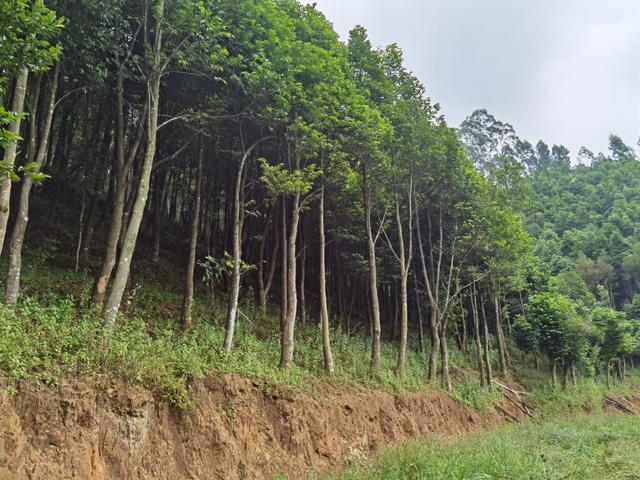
(236, 429)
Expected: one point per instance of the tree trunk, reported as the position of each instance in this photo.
(419, 311)
(324, 311)
(10, 151)
(80, 232)
(434, 320)
(292, 297)
(432, 373)
(283, 279)
(303, 298)
(373, 283)
(112, 305)
(92, 219)
(157, 217)
(404, 297)
(187, 301)
(444, 359)
(502, 356)
(238, 221)
(478, 341)
(22, 216)
(487, 346)
(123, 167)
(566, 377)
(463, 338)
(264, 284)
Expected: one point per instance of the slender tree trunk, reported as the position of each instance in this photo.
(404, 300)
(620, 370)
(419, 311)
(157, 217)
(237, 227)
(92, 219)
(566, 377)
(11, 150)
(394, 299)
(373, 283)
(444, 358)
(112, 305)
(238, 220)
(434, 318)
(283, 279)
(264, 284)
(324, 311)
(554, 373)
(502, 356)
(303, 298)
(487, 346)
(80, 233)
(123, 168)
(292, 297)
(463, 338)
(22, 217)
(187, 301)
(478, 341)
(432, 373)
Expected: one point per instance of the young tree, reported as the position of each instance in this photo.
(174, 34)
(27, 43)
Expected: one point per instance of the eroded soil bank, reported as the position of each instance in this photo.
(236, 429)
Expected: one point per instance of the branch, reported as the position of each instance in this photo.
(167, 159)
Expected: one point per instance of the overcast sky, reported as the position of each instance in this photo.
(566, 71)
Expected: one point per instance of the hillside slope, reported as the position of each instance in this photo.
(237, 428)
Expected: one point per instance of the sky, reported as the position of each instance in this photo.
(566, 71)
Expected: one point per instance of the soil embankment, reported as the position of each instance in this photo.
(236, 429)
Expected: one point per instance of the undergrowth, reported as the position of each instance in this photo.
(52, 334)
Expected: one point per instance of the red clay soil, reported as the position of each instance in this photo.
(237, 429)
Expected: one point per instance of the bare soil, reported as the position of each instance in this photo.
(237, 429)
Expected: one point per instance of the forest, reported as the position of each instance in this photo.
(248, 146)
(240, 155)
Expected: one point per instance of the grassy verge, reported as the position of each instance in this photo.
(52, 334)
(594, 448)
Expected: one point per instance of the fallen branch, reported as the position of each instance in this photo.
(521, 404)
(619, 406)
(633, 405)
(504, 412)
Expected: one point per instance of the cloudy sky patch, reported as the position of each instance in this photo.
(566, 71)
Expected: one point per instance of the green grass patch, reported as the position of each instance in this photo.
(594, 448)
(52, 333)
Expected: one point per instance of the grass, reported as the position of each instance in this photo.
(595, 448)
(52, 334)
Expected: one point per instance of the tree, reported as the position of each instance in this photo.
(27, 43)
(619, 150)
(372, 161)
(168, 30)
(296, 184)
(616, 336)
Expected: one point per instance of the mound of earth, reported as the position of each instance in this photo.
(236, 429)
